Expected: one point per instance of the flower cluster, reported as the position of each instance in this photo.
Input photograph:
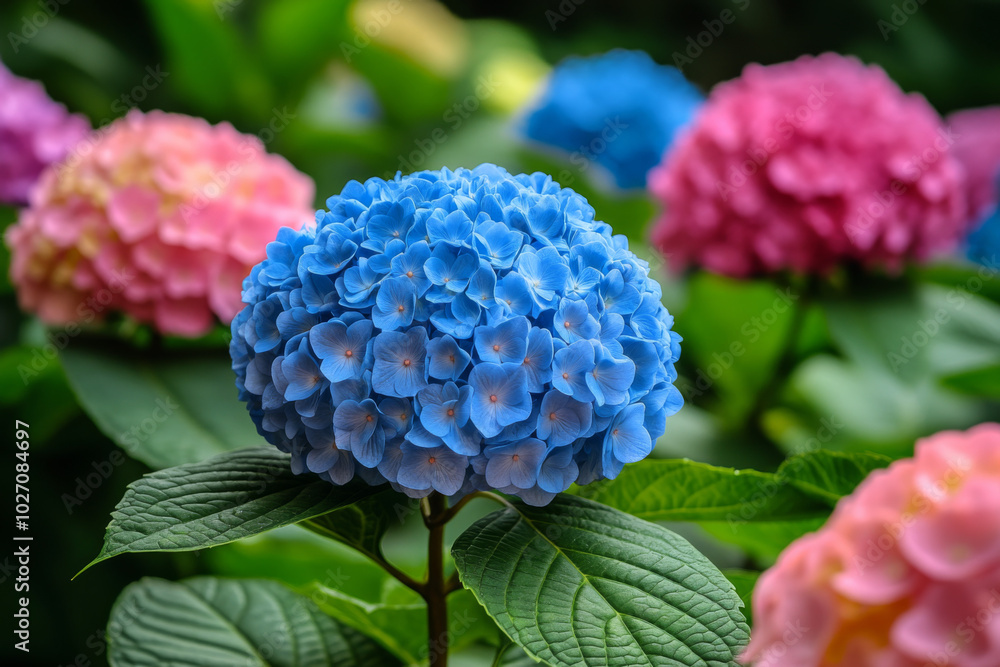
(977, 147)
(806, 165)
(159, 216)
(905, 573)
(452, 331)
(620, 109)
(34, 132)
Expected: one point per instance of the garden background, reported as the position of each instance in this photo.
(347, 90)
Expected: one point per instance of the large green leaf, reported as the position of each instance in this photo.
(212, 622)
(682, 490)
(744, 581)
(829, 476)
(363, 524)
(226, 498)
(164, 410)
(398, 618)
(576, 583)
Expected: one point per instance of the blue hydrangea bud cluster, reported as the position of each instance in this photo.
(453, 331)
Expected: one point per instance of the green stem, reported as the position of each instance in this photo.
(435, 592)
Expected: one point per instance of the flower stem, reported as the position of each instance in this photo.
(435, 592)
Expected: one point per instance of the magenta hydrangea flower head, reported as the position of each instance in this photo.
(450, 331)
(34, 132)
(158, 216)
(806, 165)
(905, 573)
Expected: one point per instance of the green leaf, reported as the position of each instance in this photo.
(398, 618)
(226, 498)
(214, 622)
(164, 410)
(983, 382)
(683, 490)
(577, 583)
(829, 476)
(363, 524)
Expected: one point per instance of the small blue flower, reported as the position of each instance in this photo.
(610, 379)
(395, 304)
(544, 272)
(301, 371)
(438, 468)
(410, 265)
(343, 349)
(498, 244)
(445, 359)
(537, 362)
(399, 362)
(499, 397)
(504, 342)
(562, 419)
(570, 368)
(515, 464)
(558, 471)
(444, 412)
(627, 440)
(513, 291)
(574, 322)
(449, 271)
(358, 429)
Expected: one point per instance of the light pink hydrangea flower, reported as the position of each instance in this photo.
(805, 165)
(906, 573)
(158, 215)
(977, 147)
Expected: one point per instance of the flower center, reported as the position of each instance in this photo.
(401, 308)
(431, 459)
(395, 233)
(496, 348)
(552, 416)
(615, 432)
(406, 362)
(493, 397)
(409, 274)
(566, 324)
(515, 457)
(447, 279)
(349, 353)
(369, 418)
(402, 417)
(565, 376)
(451, 358)
(451, 412)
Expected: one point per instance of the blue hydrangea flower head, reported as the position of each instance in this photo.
(456, 330)
(983, 244)
(620, 109)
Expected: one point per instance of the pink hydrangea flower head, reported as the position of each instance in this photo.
(34, 132)
(977, 147)
(159, 216)
(906, 573)
(805, 165)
